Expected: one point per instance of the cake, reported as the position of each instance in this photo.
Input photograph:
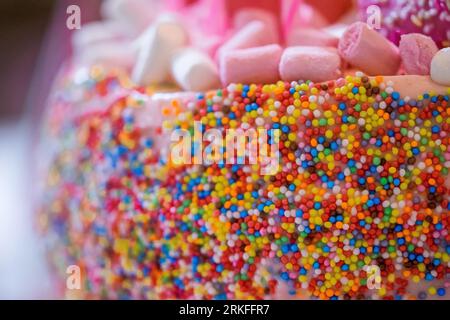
(345, 194)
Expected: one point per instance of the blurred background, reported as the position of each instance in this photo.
(34, 40)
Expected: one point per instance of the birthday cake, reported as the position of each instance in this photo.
(252, 150)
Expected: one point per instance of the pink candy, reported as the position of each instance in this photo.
(247, 15)
(369, 51)
(311, 37)
(253, 65)
(222, 12)
(416, 51)
(253, 34)
(310, 63)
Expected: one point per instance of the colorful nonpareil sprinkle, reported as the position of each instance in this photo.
(362, 182)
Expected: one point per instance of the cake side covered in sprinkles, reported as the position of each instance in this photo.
(362, 181)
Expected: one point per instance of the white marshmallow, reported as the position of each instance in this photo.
(136, 13)
(440, 67)
(99, 31)
(193, 70)
(157, 46)
(109, 54)
(256, 33)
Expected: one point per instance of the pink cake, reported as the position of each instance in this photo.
(341, 189)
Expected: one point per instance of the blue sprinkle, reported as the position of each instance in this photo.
(395, 95)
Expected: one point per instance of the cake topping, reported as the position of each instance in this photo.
(440, 67)
(314, 63)
(367, 50)
(417, 51)
(362, 184)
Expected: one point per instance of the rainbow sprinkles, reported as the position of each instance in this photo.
(362, 181)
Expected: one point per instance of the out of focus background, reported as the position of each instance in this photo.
(34, 40)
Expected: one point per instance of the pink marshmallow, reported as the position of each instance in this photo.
(311, 37)
(369, 51)
(253, 65)
(246, 15)
(417, 51)
(307, 16)
(310, 63)
(222, 12)
(254, 34)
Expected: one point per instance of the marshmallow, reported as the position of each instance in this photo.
(160, 107)
(416, 51)
(253, 34)
(193, 70)
(253, 65)
(105, 43)
(310, 63)
(135, 13)
(97, 32)
(306, 16)
(157, 46)
(110, 54)
(247, 15)
(369, 51)
(311, 37)
(332, 10)
(221, 13)
(440, 67)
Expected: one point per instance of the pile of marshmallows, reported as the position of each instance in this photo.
(252, 55)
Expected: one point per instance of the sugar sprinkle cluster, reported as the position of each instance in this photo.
(363, 181)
